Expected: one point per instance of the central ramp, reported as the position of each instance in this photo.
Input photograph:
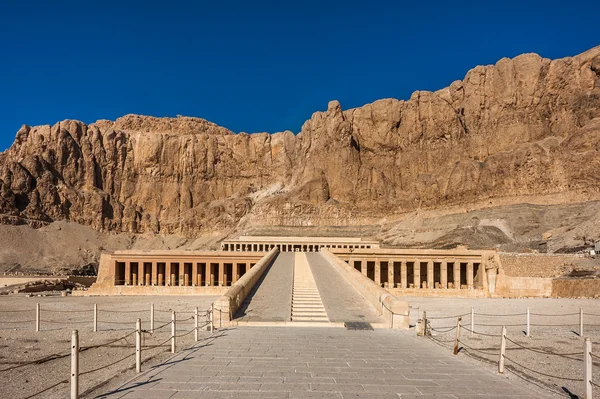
(306, 301)
(343, 303)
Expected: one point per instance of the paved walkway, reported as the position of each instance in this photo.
(271, 298)
(276, 362)
(342, 301)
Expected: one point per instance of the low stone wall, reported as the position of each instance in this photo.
(575, 288)
(517, 287)
(393, 309)
(228, 304)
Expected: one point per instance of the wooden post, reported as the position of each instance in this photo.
(457, 340)
(581, 322)
(138, 346)
(502, 351)
(587, 366)
(37, 317)
(472, 320)
(212, 311)
(95, 317)
(196, 325)
(424, 323)
(528, 329)
(173, 332)
(75, 365)
(151, 317)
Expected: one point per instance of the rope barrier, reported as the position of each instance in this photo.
(447, 317)
(591, 314)
(501, 315)
(558, 314)
(16, 311)
(595, 356)
(480, 333)
(502, 325)
(440, 340)
(594, 384)
(555, 325)
(84, 348)
(66, 321)
(544, 374)
(17, 321)
(442, 331)
(187, 333)
(122, 311)
(159, 327)
(157, 345)
(545, 352)
(106, 366)
(479, 349)
(115, 322)
(47, 389)
(38, 361)
(67, 311)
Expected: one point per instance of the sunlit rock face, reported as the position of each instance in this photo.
(525, 126)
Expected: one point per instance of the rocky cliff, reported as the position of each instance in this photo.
(525, 126)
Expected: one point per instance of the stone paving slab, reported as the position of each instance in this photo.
(342, 301)
(272, 362)
(271, 299)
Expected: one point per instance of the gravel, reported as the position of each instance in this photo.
(553, 353)
(20, 344)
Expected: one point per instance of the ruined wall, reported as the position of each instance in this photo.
(576, 288)
(537, 265)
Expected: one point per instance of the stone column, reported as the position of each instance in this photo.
(391, 274)
(174, 276)
(235, 273)
(417, 274)
(363, 267)
(456, 274)
(430, 274)
(127, 273)
(444, 274)
(226, 276)
(161, 279)
(186, 276)
(378, 272)
(167, 273)
(154, 273)
(403, 273)
(221, 274)
(147, 275)
(207, 274)
(212, 275)
(140, 273)
(194, 274)
(470, 275)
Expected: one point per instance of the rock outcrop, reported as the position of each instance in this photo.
(525, 126)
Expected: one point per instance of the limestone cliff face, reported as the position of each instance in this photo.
(523, 126)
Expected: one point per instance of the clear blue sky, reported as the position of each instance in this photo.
(261, 67)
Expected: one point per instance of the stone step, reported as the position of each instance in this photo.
(309, 318)
(304, 312)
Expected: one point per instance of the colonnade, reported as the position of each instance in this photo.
(180, 273)
(287, 247)
(415, 273)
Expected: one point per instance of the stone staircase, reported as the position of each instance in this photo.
(306, 301)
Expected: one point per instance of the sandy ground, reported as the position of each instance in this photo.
(20, 344)
(555, 347)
